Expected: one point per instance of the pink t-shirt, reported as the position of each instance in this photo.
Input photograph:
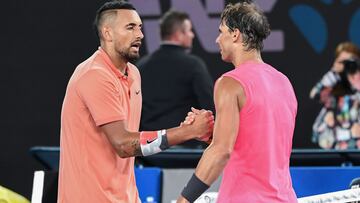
(258, 169)
(90, 169)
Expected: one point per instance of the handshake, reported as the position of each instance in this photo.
(201, 124)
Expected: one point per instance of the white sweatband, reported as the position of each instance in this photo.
(152, 142)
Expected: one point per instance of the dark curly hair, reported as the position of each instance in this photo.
(249, 20)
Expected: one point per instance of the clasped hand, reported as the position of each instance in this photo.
(203, 122)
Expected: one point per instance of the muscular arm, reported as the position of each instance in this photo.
(229, 98)
(213, 161)
(127, 144)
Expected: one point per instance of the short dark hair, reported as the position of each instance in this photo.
(109, 7)
(171, 21)
(251, 22)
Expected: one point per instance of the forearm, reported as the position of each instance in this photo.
(151, 142)
(208, 170)
(128, 145)
(179, 135)
(212, 164)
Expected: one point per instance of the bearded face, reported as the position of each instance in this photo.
(125, 34)
(131, 52)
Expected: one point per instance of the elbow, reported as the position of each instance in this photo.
(223, 155)
(122, 154)
(122, 150)
(123, 143)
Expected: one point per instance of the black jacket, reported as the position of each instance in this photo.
(173, 81)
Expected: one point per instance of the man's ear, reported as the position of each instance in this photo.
(178, 36)
(236, 35)
(106, 32)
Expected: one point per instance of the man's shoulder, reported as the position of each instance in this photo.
(193, 62)
(227, 83)
(87, 65)
(134, 70)
(176, 53)
(195, 58)
(228, 88)
(133, 67)
(92, 70)
(143, 60)
(178, 58)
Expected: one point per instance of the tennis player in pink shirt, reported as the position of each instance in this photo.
(255, 119)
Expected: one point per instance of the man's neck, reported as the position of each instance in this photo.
(169, 42)
(116, 59)
(247, 56)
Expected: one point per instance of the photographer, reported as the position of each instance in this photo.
(344, 51)
(338, 124)
(332, 86)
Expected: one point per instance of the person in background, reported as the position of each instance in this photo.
(101, 115)
(344, 51)
(332, 127)
(338, 125)
(173, 80)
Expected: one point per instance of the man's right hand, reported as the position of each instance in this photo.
(201, 122)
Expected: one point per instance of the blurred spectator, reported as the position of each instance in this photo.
(332, 127)
(173, 80)
(338, 124)
(335, 77)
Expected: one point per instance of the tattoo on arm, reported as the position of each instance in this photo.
(132, 149)
(136, 148)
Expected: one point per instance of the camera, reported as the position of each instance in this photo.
(351, 66)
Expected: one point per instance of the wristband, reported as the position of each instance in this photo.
(194, 188)
(152, 142)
